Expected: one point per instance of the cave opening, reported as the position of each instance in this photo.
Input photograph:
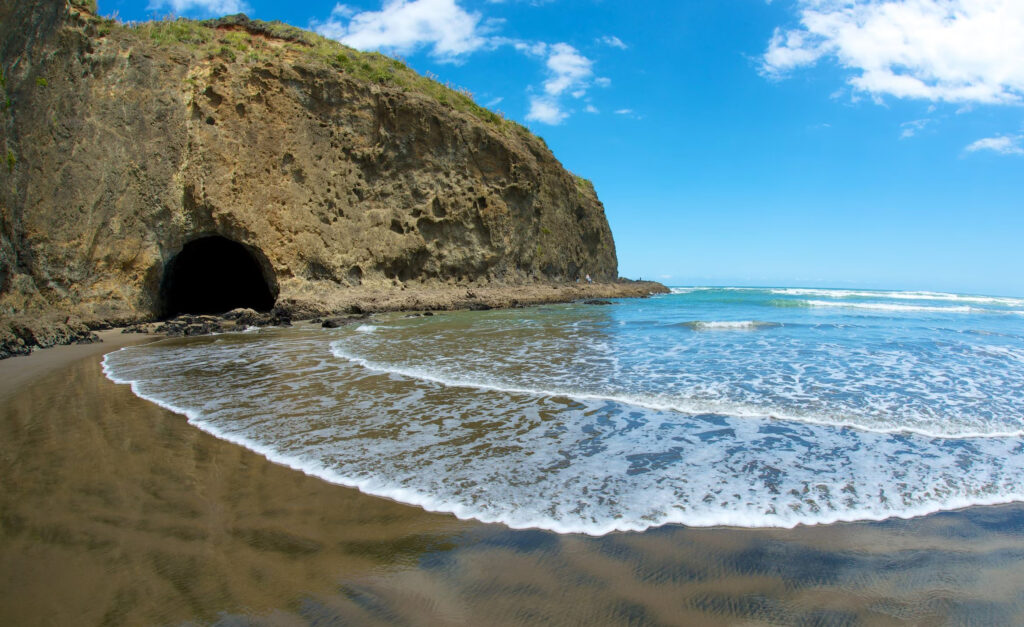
(214, 274)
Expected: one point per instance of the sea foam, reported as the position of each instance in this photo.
(599, 467)
(729, 325)
(590, 420)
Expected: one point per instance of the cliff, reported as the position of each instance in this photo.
(146, 163)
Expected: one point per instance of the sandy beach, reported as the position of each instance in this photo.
(117, 512)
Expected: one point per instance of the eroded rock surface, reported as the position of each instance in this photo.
(330, 169)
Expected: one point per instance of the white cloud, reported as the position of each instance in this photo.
(965, 51)
(602, 81)
(200, 7)
(568, 69)
(533, 49)
(494, 102)
(624, 111)
(402, 26)
(569, 73)
(591, 109)
(545, 109)
(912, 127)
(613, 41)
(1004, 145)
(449, 32)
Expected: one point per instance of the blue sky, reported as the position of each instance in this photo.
(867, 143)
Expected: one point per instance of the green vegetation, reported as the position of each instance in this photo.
(236, 39)
(582, 183)
(85, 5)
(41, 81)
(170, 31)
(3, 79)
(11, 160)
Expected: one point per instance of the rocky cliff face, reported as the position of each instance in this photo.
(327, 168)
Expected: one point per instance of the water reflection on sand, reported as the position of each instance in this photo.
(114, 511)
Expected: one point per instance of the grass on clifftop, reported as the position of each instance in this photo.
(237, 39)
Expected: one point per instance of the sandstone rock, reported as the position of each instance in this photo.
(128, 144)
(20, 335)
(11, 344)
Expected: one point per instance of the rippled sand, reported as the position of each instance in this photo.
(114, 511)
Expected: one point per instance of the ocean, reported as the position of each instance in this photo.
(744, 407)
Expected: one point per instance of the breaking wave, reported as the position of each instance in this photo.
(583, 420)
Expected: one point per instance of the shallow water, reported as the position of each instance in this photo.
(741, 407)
(116, 512)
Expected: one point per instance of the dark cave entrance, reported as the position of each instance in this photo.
(212, 275)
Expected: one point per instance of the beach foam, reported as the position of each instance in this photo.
(729, 325)
(589, 420)
(600, 467)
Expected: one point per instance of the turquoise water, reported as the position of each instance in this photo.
(708, 406)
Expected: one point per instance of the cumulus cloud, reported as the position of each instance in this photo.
(1004, 145)
(964, 51)
(567, 68)
(569, 74)
(403, 26)
(546, 110)
(200, 7)
(624, 112)
(448, 32)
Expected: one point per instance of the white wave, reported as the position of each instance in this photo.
(900, 308)
(648, 471)
(729, 325)
(910, 295)
(690, 289)
(875, 294)
(662, 403)
(366, 328)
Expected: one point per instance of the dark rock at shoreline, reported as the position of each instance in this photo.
(20, 336)
(234, 320)
(475, 306)
(595, 301)
(141, 328)
(11, 345)
(341, 321)
(188, 325)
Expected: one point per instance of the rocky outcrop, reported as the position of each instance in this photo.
(19, 335)
(325, 168)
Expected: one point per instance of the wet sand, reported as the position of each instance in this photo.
(114, 511)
